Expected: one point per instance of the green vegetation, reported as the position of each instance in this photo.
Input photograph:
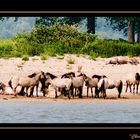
(57, 40)
(70, 61)
(43, 56)
(25, 57)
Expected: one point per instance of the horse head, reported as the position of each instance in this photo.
(137, 76)
(50, 75)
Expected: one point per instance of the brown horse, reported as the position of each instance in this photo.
(133, 79)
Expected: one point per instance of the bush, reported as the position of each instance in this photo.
(25, 57)
(71, 61)
(60, 39)
(43, 56)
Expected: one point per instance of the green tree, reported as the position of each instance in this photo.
(127, 24)
(137, 29)
(69, 20)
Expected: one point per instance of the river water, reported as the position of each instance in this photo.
(70, 111)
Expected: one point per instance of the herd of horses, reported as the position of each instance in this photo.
(70, 84)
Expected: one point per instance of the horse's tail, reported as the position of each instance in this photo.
(120, 88)
(10, 83)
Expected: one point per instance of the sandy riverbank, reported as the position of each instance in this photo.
(58, 66)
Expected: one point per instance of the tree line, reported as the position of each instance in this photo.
(129, 25)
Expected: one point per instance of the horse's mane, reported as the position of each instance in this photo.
(32, 75)
(99, 76)
(51, 75)
(66, 75)
(81, 74)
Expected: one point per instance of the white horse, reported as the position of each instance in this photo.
(63, 84)
(105, 83)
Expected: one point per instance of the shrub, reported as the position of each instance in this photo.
(70, 61)
(43, 56)
(25, 57)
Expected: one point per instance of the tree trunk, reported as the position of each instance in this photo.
(138, 37)
(131, 36)
(91, 25)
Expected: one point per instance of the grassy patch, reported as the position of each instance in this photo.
(70, 61)
(20, 65)
(25, 57)
(43, 57)
(68, 67)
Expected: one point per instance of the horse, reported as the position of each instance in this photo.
(60, 84)
(2, 87)
(78, 83)
(92, 83)
(106, 83)
(27, 82)
(132, 79)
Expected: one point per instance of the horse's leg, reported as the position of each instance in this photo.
(92, 92)
(137, 88)
(37, 89)
(87, 90)
(15, 93)
(69, 94)
(44, 91)
(43, 88)
(119, 95)
(27, 91)
(80, 91)
(126, 87)
(22, 90)
(31, 91)
(120, 87)
(96, 92)
(130, 87)
(134, 88)
(104, 93)
(71, 90)
(3, 91)
(75, 91)
(56, 93)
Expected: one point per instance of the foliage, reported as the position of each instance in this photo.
(70, 61)
(61, 39)
(43, 56)
(25, 57)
